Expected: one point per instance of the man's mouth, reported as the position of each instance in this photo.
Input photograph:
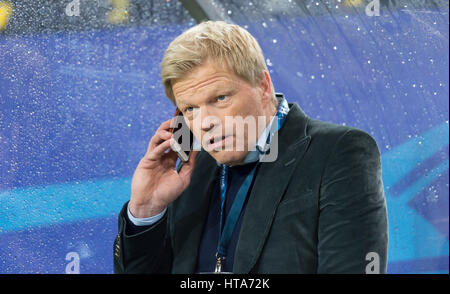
(216, 139)
(217, 142)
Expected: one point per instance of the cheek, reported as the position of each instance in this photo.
(243, 107)
(251, 103)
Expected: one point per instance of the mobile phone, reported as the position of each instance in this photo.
(184, 139)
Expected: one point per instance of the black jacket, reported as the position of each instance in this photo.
(319, 208)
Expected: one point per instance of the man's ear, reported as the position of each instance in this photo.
(265, 86)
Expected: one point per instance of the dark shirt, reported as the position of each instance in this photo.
(206, 258)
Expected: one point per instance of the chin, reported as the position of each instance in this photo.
(228, 157)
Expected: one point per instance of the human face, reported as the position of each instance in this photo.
(209, 96)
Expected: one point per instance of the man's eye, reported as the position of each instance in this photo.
(189, 109)
(221, 98)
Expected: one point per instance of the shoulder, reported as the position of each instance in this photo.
(329, 134)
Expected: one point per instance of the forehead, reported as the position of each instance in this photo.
(204, 80)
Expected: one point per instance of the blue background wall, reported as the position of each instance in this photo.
(77, 109)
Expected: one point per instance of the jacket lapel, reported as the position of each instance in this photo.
(270, 183)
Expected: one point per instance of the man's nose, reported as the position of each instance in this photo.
(208, 120)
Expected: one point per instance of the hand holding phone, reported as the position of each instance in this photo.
(156, 183)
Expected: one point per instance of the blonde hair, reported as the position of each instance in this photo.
(219, 41)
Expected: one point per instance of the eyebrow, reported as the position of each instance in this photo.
(213, 94)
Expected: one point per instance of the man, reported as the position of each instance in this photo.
(319, 207)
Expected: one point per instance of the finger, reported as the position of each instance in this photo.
(172, 155)
(165, 125)
(159, 150)
(159, 137)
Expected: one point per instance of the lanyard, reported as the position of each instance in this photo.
(226, 230)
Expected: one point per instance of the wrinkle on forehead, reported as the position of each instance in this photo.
(203, 78)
